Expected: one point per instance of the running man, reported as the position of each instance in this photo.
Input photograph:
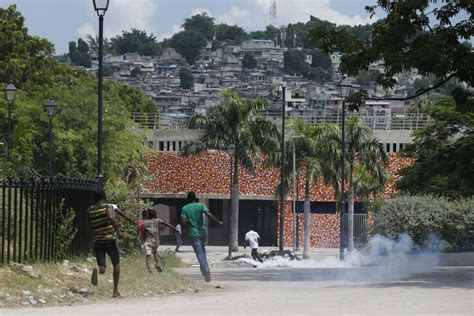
(104, 229)
(252, 237)
(191, 214)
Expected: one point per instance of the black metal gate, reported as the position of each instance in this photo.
(31, 212)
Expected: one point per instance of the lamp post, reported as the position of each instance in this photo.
(343, 88)
(10, 96)
(294, 193)
(282, 89)
(50, 107)
(100, 6)
(231, 152)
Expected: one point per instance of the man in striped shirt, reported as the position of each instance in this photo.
(103, 226)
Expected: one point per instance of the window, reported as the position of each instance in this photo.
(387, 147)
(150, 144)
(161, 146)
(400, 146)
(394, 147)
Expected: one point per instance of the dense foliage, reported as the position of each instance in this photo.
(26, 61)
(444, 151)
(188, 44)
(186, 78)
(201, 23)
(420, 35)
(425, 215)
(249, 61)
(135, 41)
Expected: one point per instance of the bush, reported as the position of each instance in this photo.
(421, 216)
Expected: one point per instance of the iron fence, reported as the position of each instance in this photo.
(360, 228)
(32, 211)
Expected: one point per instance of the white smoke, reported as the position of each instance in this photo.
(392, 259)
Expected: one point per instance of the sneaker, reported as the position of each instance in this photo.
(207, 277)
(94, 279)
(159, 269)
(117, 295)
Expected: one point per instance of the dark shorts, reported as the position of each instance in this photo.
(101, 247)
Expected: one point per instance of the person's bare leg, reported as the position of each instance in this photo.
(116, 276)
(157, 262)
(148, 263)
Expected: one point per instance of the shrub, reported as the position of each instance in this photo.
(421, 216)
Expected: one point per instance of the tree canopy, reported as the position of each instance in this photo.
(201, 23)
(26, 61)
(188, 44)
(421, 35)
(186, 78)
(135, 41)
(443, 151)
(249, 61)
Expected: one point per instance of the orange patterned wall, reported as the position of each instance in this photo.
(208, 173)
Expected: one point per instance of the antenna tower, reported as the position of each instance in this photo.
(273, 12)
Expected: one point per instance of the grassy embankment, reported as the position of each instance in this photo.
(68, 282)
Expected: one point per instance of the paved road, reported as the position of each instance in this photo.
(303, 291)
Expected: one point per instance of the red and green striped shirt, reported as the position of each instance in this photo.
(100, 223)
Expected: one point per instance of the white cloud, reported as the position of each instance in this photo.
(174, 29)
(123, 15)
(256, 14)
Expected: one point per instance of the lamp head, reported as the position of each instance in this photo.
(231, 149)
(101, 6)
(50, 107)
(344, 88)
(10, 92)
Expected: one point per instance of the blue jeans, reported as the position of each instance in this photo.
(200, 251)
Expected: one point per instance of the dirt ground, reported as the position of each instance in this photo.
(238, 289)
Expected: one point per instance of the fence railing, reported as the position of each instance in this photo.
(32, 211)
(384, 120)
(360, 228)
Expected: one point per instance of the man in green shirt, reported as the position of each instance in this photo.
(191, 214)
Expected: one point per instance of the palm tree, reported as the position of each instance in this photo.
(366, 161)
(239, 122)
(313, 159)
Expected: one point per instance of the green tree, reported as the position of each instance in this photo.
(201, 23)
(186, 78)
(75, 125)
(366, 161)
(443, 151)
(22, 56)
(367, 78)
(235, 121)
(135, 72)
(249, 61)
(79, 54)
(188, 44)
(294, 63)
(231, 34)
(421, 35)
(135, 41)
(314, 158)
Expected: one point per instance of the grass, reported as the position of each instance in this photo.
(62, 283)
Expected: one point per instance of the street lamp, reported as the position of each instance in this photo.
(10, 96)
(100, 6)
(231, 152)
(294, 192)
(50, 107)
(344, 89)
(282, 89)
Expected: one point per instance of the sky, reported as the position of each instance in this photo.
(62, 21)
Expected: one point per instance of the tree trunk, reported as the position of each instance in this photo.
(350, 222)
(307, 213)
(234, 210)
